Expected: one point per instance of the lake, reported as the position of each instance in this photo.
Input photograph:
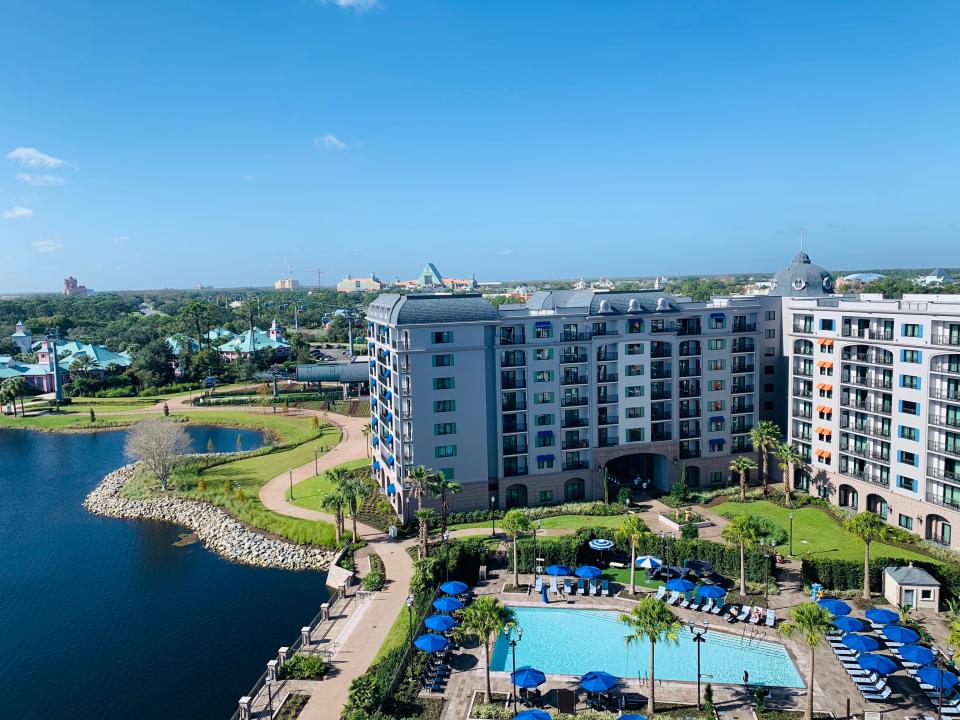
(107, 618)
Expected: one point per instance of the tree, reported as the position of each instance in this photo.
(867, 526)
(419, 479)
(953, 639)
(741, 465)
(153, 363)
(766, 437)
(366, 431)
(655, 622)
(483, 619)
(424, 518)
(83, 365)
(790, 459)
(334, 502)
(195, 313)
(743, 531)
(12, 389)
(516, 523)
(810, 623)
(632, 529)
(440, 487)
(157, 444)
(355, 489)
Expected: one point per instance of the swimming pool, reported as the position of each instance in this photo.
(561, 641)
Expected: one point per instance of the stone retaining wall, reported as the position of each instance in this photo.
(216, 528)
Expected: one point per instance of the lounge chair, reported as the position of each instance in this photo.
(605, 588)
(685, 603)
(661, 592)
(771, 618)
(581, 588)
(745, 613)
(554, 590)
(878, 697)
(707, 606)
(732, 614)
(593, 586)
(717, 609)
(538, 586)
(756, 615)
(567, 587)
(674, 598)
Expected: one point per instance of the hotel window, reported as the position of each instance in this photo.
(634, 349)
(826, 368)
(905, 521)
(909, 407)
(911, 356)
(827, 324)
(770, 333)
(542, 398)
(544, 330)
(543, 354)
(635, 435)
(717, 424)
(634, 326)
(718, 321)
(442, 338)
(443, 383)
(633, 413)
(546, 419)
(717, 344)
(440, 406)
(823, 459)
(768, 405)
(634, 391)
(907, 458)
(716, 477)
(445, 451)
(910, 381)
(633, 370)
(909, 433)
(546, 496)
(543, 376)
(906, 483)
(545, 438)
(443, 360)
(769, 369)
(769, 351)
(911, 330)
(768, 387)
(715, 385)
(444, 428)
(716, 405)
(716, 364)
(447, 473)
(770, 315)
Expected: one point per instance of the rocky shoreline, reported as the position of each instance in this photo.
(215, 528)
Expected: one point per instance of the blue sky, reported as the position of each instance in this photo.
(162, 144)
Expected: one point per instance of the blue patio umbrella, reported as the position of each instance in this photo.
(598, 681)
(440, 623)
(632, 717)
(698, 566)
(938, 677)
(587, 572)
(431, 643)
(834, 606)
(917, 654)
(882, 616)
(558, 570)
(447, 604)
(649, 562)
(532, 715)
(880, 664)
(861, 643)
(528, 677)
(710, 591)
(454, 587)
(601, 544)
(849, 624)
(679, 585)
(900, 634)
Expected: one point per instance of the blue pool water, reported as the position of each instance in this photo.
(560, 641)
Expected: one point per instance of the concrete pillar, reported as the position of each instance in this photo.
(272, 667)
(246, 706)
(305, 638)
(325, 611)
(283, 654)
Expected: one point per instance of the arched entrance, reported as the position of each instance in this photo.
(848, 497)
(693, 476)
(651, 468)
(938, 530)
(876, 504)
(516, 496)
(573, 490)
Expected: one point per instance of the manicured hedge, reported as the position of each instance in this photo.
(536, 513)
(839, 575)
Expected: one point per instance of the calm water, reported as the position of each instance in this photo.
(105, 618)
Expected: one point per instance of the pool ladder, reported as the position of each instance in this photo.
(756, 633)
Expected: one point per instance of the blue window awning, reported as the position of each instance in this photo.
(373, 402)
(545, 458)
(386, 373)
(544, 324)
(388, 395)
(391, 489)
(386, 353)
(389, 417)
(717, 418)
(374, 421)
(376, 441)
(373, 364)
(389, 437)
(390, 461)
(373, 383)
(717, 316)
(376, 464)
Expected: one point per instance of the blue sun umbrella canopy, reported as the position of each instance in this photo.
(679, 585)
(938, 677)
(882, 616)
(454, 587)
(649, 562)
(431, 643)
(917, 654)
(587, 572)
(558, 570)
(880, 664)
(440, 623)
(698, 566)
(834, 606)
(849, 624)
(710, 591)
(533, 714)
(632, 717)
(598, 682)
(601, 544)
(528, 677)
(861, 643)
(900, 634)
(447, 604)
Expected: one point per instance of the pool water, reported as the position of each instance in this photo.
(561, 641)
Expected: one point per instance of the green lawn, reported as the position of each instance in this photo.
(815, 533)
(562, 522)
(73, 420)
(309, 493)
(622, 576)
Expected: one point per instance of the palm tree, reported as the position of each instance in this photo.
(419, 479)
(743, 531)
(810, 623)
(10, 390)
(355, 489)
(337, 476)
(424, 516)
(867, 526)
(741, 465)
(83, 365)
(651, 620)
(440, 487)
(632, 529)
(484, 618)
(516, 523)
(790, 459)
(766, 437)
(334, 502)
(366, 430)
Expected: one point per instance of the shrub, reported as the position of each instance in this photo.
(303, 667)
(374, 581)
(689, 531)
(540, 512)
(624, 496)
(201, 486)
(840, 575)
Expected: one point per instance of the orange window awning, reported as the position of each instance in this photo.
(824, 409)
(823, 342)
(825, 386)
(824, 364)
(823, 453)
(824, 431)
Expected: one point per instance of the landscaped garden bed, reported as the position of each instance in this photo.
(292, 706)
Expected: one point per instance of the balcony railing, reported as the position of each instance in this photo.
(867, 405)
(573, 401)
(690, 350)
(881, 383)
(868, 358)
(880, 432)
(514, 406)
(945, 339)
(661, 416)
(741, 429)
(660, 395)
(608, 420)
(576, 444)
(570, 358)
(606, 332)
(744, 327)
(865, 476)
(663, 329)
(739, 347)
(606, 356)
(945, 394)
(574, 422)
(516, 339)
(654, 354)
(945, 421)
(802, 392)
(509, 428)
(607, 399)
(803, 371)
(689, 433)
(804, 329)
(943, 473)
(742, 367)
(801, 413)
(742, 409)
(877, 455)
(513, 384)
(515, 450)
(741, 389)
(848, 331)
(690, 413)
(608, 442)
(576, 465)
(575, 336)
(693, 391)
(689, 453)
(933, 497)
(516, 361)
(944, 448)
(610, 377)
(574, 380)
(514, 472)
(661, 437)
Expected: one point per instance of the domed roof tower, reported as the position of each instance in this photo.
(802, 279)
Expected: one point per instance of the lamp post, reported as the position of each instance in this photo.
(316, 460)
(513, 647)
(766, 573)
(446, 556)
(791, 534)
(493, 519)
(269, 683)
(290, 475)
(699, 639)
(410, 619)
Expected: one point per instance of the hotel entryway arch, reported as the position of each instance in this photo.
(650, 467)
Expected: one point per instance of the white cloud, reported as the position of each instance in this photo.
(31, 179)
(17, 212)
(46, 246)
(358, 5)
(31, 157)
(331, 141)
(248, 178)
(120, 238)
(505, 252)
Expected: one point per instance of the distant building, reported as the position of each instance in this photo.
(70, 287)
(431, 278)
(22, 337)
(286, 284)
(856, 281)
(247, 343)
(366, 284)
(937, 276)
(40, 374)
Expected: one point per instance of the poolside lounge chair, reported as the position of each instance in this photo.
(661, 592)
(674, 598)
(756, 615)
(707, 606)
(733, 614)
(685, 603)
(581, 588)
(605, 588)
(878, 697)
(771, 618)
(717, 609)
(567, 587)
(554, 590)
(538, 585)
(745, 613)
(593, 586)
(865, 686)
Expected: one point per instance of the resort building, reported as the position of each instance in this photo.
(367, 284)
(936, 277)
(249, 342)
(72, 287)
(21, 337)
(73, 358)
(286, 284)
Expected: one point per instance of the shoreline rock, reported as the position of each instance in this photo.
(219, 531)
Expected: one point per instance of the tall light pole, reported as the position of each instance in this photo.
(410, 619)
(513, 647)
(270, 695)
(316, 460)
(766, 572)
(699, 639)
(290, 474)
(791, 533)
(493, 517)
(446, 556)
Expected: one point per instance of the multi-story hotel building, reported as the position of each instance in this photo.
(531, 404)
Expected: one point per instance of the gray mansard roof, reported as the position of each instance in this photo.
(432, 309)
(593, 302)
(802, 279)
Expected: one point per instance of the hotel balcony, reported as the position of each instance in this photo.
(583, 444)
(513, 383)
(882, 383)
(944, 473)
(514, 406)
(945, 420)
(865, 429)
(948, 394)
(573, 358)
(574, 422)
(742, 345)
(946, 339)
(509, 427)
(605, 355)
(743, 327)
(867, 333)
(579, 336)
(607, 420)
(741, 388)
(514, 449)
(574, 379)
(606, 377)
(803, 328)
(576, 465)
(866, 475)
(877, 455)
(936, 496)
(577, 401)
(868, 405)
(952, 449)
